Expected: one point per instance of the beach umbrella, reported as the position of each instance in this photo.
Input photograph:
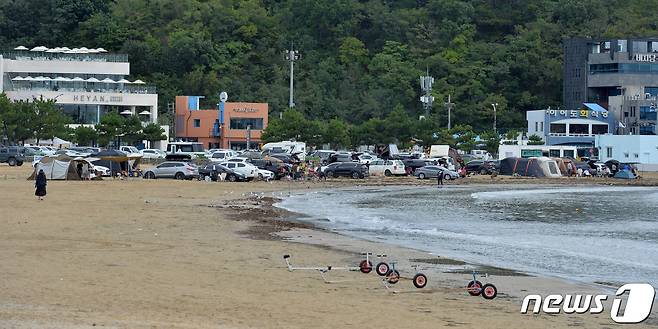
(40, 48)
(78, 79)
(123, 81)
(139, 82)
(145, 113)
(65, 49)
(126, 112)
(101, 50)
(18, 78)
(62, 79)
(84, 49)
(28, 78)
(54, 50)
(92, 79)
(108, 80)
(92, 51)
(21, 48)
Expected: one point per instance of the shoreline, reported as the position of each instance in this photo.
(181, 254)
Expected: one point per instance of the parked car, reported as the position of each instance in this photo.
(410, 165)
(323, 155)
(264, 174)
(366, 158)
(387, 168)
(278, 168)
(30, 151)
(249, 170)
(480, 167)
(173, 169)
(12, 155)
(434, 172)
(129, 149)
(348, 169)
(222, 155)
(213, 171)
(153, 154)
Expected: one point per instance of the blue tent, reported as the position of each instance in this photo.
(624, 174)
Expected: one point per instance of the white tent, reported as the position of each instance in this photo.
(21, 48)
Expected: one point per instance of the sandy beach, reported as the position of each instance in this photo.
(188, 254)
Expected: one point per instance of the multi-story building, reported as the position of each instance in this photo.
(237, 125)
(621, 75)
(85, 83)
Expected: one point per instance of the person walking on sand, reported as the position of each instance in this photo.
(40, 184)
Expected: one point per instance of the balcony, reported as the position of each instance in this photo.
(44, 56)
(126, 89)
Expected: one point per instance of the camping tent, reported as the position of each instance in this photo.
(624, 174)
(531, 167)
(58, 168)
(116, 160)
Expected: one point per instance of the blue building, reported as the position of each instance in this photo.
(571, 127)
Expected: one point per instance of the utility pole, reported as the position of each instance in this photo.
(449, 106)
(291, 56)
(494, 108)
(426, 83)
(248, 137)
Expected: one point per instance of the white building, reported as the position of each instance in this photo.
(640, 149)
(528, 151)
(85, 83)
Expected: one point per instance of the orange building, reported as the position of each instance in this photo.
(230, 129)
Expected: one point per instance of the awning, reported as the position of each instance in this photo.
(595, 107)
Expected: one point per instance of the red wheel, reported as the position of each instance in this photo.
(420, 280)
(489, 291)
(474, 288)
(393, 276)
(382, 269)
(365, 266)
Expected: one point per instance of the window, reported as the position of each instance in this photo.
(536, 126)
(541, 126)
(625, 154)
(599, 129)
(568, 153)
(197, 123)
(580, 129)
(635, 155)
(243, 123)
(609, 151)
(558, 128)
(554, 153)
(647, 113)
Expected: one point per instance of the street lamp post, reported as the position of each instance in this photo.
(494, 108)
(291, 56)
(449, 106)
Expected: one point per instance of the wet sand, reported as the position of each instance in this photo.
(187, 254)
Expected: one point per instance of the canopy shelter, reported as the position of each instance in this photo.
(116, 161)
(59, 168)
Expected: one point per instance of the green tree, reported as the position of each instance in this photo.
(153, 132)
(535, 140)
(49, 122)
(109, 128)
(85, 136)
(337, 134)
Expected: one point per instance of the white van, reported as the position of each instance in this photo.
(222, 155)
(193, 149)
(287, 147)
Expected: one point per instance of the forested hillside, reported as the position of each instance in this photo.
(361, 59)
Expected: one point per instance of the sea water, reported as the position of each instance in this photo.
(591, 234)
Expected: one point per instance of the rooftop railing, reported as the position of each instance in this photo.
(140, 89)
(44, 56)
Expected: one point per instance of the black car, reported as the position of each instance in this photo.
(12, 155)
(480, 167)
(213, 171)
(279, 169)
(347, 169)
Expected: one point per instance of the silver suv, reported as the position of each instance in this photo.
(173, 169)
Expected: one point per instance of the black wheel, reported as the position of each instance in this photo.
(260, 176)
(149, 175)
(201, 177)
(483, 171)
(421, 176)
(489, 291)
(231, 178)
(19, 163)
(179, 175)
(447, 177)
(420, 280)
(388, 173)
(474, 288)
(365, 267)
(393, 276)
(11, 162)
(355, 175)
(331, 174)
(382, 269)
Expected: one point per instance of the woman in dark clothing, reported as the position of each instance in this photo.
(40, 184)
